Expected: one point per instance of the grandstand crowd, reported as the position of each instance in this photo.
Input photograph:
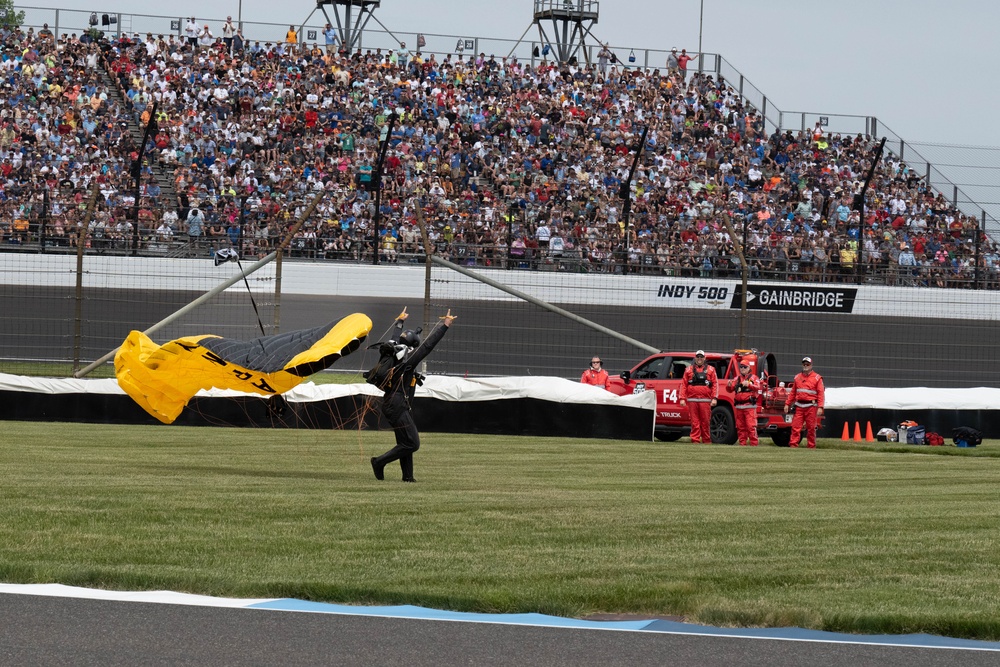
(510, 164)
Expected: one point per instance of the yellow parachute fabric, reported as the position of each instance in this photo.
(163, 378)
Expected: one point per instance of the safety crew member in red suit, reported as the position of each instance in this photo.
(595, 375)
(700, 388)
(746, 389)
(809, 396)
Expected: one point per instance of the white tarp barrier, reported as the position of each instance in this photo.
(441, 387)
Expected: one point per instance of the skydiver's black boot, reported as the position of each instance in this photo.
(406, 464)
(380, 462)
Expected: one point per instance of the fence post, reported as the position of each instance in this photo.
(979, 233)
(43, 220)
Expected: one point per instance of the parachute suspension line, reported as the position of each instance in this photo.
(252, 303)
(383, 335)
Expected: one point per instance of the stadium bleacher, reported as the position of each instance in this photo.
(509, 163)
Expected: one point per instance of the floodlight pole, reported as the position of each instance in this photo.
(376, 183)
(859, 205)
(625, 192)
(137, 175)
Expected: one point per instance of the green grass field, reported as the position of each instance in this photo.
(856, 538)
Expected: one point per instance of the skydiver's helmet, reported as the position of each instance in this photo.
(410, 338)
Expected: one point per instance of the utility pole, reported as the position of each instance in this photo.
(701, 23)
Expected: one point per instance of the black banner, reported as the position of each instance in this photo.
(796, 297)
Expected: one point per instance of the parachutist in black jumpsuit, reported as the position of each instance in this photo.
(398, 399)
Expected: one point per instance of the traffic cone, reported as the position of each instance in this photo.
(868, 433)
(857, 431)
(847, 432)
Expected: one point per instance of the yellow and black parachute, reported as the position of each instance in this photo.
(163, 378)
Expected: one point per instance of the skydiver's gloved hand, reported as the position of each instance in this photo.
(400, 319)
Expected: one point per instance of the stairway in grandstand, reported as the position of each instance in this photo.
(162, 176)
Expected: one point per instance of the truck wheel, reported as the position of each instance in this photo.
(668, 437)
(781, 437)
(723, 425)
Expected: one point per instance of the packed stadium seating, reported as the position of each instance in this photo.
(510, 164)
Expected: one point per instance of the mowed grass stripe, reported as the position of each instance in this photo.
(857, 538)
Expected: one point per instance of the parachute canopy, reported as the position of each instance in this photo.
(163, 378)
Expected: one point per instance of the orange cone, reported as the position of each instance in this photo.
(847, 432)
(857, 431)
(868, 433)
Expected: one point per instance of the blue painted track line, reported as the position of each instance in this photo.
(652, 625)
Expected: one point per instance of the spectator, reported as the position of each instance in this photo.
(196, 227)
(603, 56)
(682, 63)
(191, 31)
(330, 37)
(205, 37)
(402, 56)
(228, 33)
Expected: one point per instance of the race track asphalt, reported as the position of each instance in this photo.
(50, 631)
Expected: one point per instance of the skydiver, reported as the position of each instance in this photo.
(398, 396)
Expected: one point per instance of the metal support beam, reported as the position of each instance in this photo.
(544, 304)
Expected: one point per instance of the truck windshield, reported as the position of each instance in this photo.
(654, 369)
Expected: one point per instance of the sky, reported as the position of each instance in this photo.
(927, 69)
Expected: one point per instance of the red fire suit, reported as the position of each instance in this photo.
(699, 387)
(746, 390)
(808, 395)
(596, 378)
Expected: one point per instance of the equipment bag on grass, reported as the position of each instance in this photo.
(966, 436)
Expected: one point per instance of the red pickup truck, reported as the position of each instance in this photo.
(662, 373)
